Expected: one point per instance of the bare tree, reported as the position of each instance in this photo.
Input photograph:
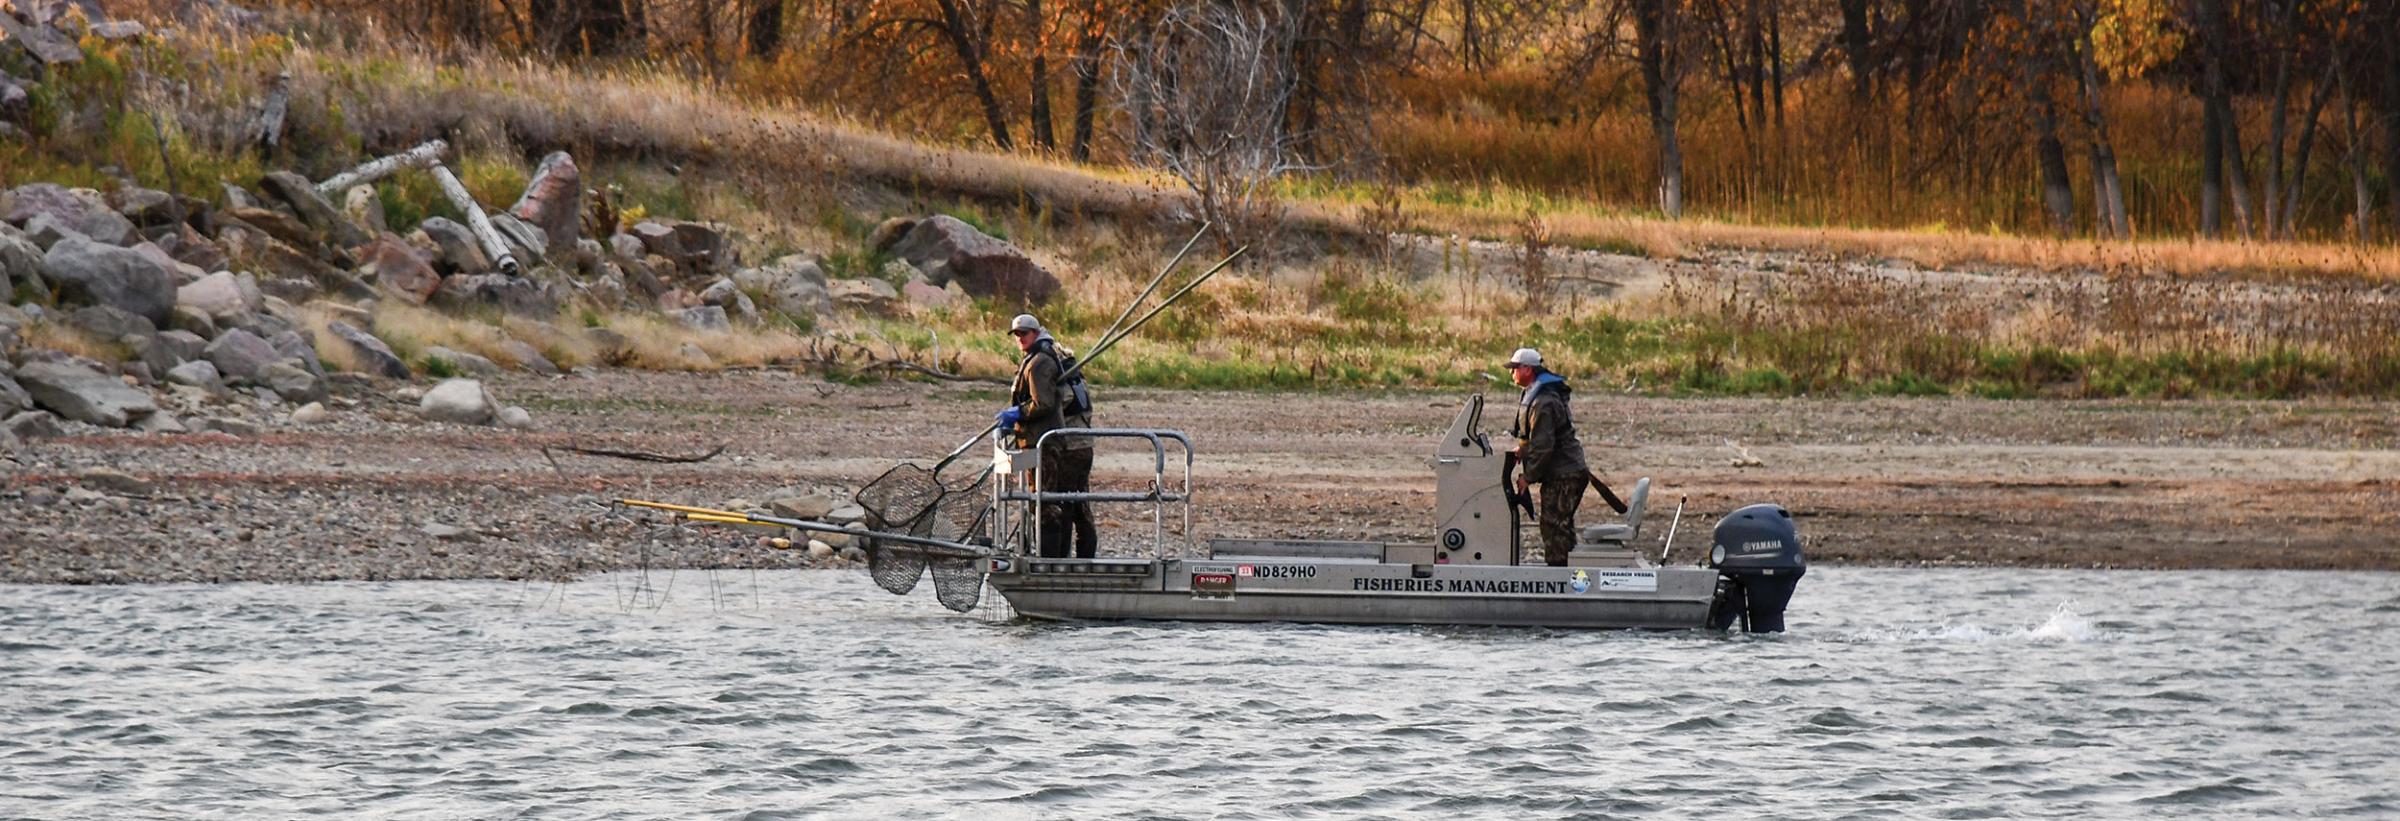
(1659, 48)
(1206, 90)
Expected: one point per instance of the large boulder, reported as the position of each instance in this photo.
(90, 273)
(704, 247)
(553, 200)
(275, 224)
(47, 230)
(458, 401)
(300, 195)
(182, 272)
(657, 238)
(461, 253)
(34, 424)
(197, 373)
(869, 296)
(373, 355)
(529, 357)
(146, 207)
(194, 249)
(704, 318)
(889, 232)
(294, 345)
(20, 264)
(362, 207)
(793, 285)
(395, 266)
(44, 44)
(286, 262)
(241, 355)
(80, 210)
(13, 399)
(693, 248)
(16, 103)
(463, 362)
(724, 294)
(947, 250)
(110, 322)
(85, 395)
(522, 296)
(292, 380)
(219, 295)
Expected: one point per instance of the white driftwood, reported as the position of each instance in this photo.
(382, 167)
(476, 221)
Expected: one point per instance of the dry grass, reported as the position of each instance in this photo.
(331, 351)
(1500, 217)
(773, 171)
(60, 337)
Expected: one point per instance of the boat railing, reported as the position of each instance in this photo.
(1028, 463)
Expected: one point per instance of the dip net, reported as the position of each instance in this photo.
(915, 500)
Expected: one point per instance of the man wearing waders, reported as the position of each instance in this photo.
(1040, 403)
(1548, 454)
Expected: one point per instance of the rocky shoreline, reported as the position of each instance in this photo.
(380, 492)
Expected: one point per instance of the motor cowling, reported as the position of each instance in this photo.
(1756, 552)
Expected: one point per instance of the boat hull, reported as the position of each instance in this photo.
(1356, 592)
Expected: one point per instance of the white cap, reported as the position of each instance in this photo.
(1527, 357)
(1024, 322)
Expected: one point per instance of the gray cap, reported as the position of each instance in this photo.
(1024, 322)
(1527, 357)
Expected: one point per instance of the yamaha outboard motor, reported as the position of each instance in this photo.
(1757, 557)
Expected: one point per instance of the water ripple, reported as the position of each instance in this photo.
(1899, 694)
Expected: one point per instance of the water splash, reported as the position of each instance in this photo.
(2063, 625)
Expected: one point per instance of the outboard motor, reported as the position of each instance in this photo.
(1757, 556)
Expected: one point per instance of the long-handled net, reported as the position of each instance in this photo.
(913, 499)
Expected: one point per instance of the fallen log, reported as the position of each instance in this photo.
(381, 167)
(476, 222)
(639, 456)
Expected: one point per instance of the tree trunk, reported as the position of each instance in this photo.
(2108, 192)
(2237, 175)
(2277, 124)
(1654, 30)
(765, 30)
(2212, 167)
(1755, 31)
(2362, 221)
(1855, 43)
(2308, 138)
(2058, 195)
(550, 31)
(1087, 84)
(970, 60)
(2222, 161)
(1775, 55)
(1043, 134)
(2391, 119)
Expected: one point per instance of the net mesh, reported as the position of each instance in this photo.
(958, 582)
(913, 500)
(894, 570)
(900, 497)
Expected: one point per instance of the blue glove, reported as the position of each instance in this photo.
(1008, 418)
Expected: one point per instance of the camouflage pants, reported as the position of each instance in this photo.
(1067, 470)
(1556, 504)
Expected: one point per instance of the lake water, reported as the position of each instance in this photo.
(1898, 694)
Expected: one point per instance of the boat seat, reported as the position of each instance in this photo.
(1595, 534)
(1636, 503)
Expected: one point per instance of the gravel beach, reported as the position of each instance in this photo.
(377, 493)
